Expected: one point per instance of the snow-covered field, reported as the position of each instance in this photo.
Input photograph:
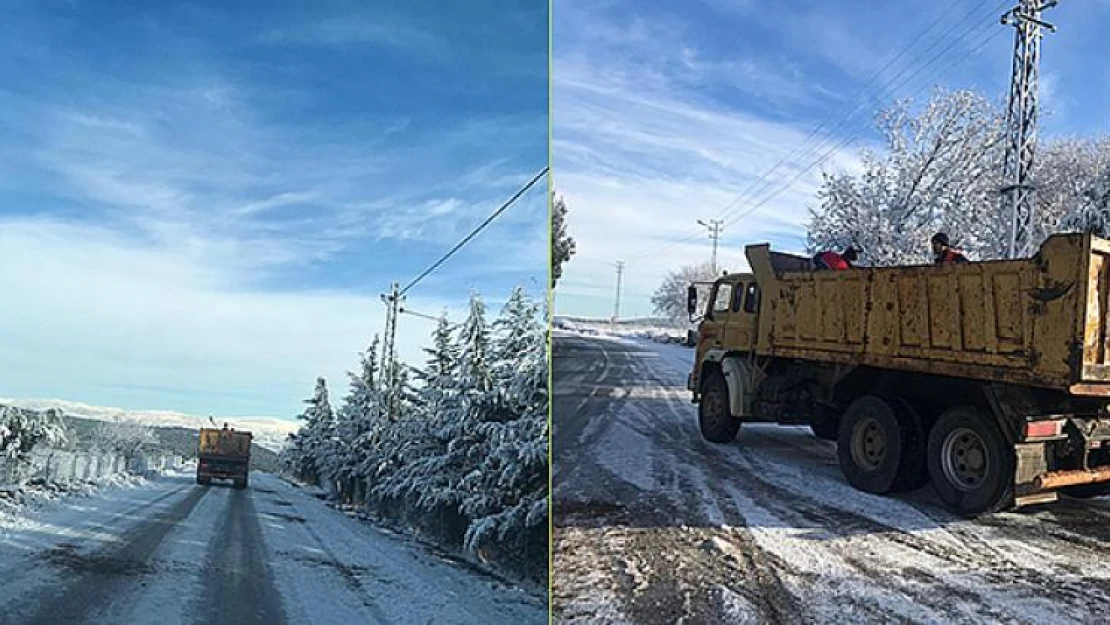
(268, 432)
(654, 525)
(168, 551)
(657, 330)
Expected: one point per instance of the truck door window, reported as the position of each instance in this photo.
(751, 298)
(722, 297)
(738, 301)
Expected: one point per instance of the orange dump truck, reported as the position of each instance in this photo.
(223, 454)
(989, 379)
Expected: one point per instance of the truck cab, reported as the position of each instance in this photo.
(729, 323)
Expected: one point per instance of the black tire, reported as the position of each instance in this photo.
(714, 414)
(1086, 491)
(878, 446)
(970, 463)
(204, 481)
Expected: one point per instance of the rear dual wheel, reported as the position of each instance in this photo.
(970, 463)
(880, 446)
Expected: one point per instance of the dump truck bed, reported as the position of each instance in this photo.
(224, 443)
(1040, 321)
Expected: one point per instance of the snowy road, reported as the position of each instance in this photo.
(173, 552)
(654, 525)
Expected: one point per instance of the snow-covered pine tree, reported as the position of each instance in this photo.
(357, 421)
(506, 494)
(457, 426)
(314, 438)
(562, 244)
(424, 437)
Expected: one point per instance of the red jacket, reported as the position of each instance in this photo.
(831, 260)
(950, 256)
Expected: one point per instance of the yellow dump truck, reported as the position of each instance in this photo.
(223, 454)
(990, 379)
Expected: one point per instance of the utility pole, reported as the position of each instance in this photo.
(389, 359)
(617, 306)
(1018, 191)
(714, 226)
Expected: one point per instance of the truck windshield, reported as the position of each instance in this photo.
(722, 297)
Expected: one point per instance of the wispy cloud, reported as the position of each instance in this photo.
(185, 210)
(377, 30)
(644, 148)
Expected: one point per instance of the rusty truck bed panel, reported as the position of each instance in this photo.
(1039, 321)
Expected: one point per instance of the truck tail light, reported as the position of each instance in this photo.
(1043, 429)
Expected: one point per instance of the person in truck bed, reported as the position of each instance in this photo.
(943, 252)
(834, 261)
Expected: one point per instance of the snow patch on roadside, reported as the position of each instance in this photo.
(18, 502)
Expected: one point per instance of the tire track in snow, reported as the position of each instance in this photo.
(239, 583)
(898, 558)
(105, 574)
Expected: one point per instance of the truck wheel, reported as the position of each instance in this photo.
(878, 446)
(714, 415)
(971, 466)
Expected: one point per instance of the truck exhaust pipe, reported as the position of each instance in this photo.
(1058, 479)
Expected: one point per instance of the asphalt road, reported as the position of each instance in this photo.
(654, 525)
(174, 552)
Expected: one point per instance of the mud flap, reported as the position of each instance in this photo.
(1030, 461)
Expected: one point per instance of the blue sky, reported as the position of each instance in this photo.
(666, 112)
(200, 203)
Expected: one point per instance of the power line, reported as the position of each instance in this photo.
(844, 142)
(764, 180)
(476, 230)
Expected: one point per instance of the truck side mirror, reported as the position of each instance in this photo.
(692, 299)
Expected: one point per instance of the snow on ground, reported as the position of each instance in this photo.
(19, 503)
(269, 432)
(169, 551)
(659, 330)
(654, 525)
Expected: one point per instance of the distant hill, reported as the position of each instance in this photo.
(269, 432)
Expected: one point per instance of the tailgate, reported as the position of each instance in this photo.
(1096, 318)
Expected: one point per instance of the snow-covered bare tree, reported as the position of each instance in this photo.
(669, 299)
(23, 430)
(124, 437)
(1071, 178)
(562, 244)
(939, 170)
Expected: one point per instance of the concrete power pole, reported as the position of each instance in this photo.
(714, 226)
(1018, 191)
(389, 358)
(617, 306)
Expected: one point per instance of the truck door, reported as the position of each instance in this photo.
(718, 311)
(739, 327)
